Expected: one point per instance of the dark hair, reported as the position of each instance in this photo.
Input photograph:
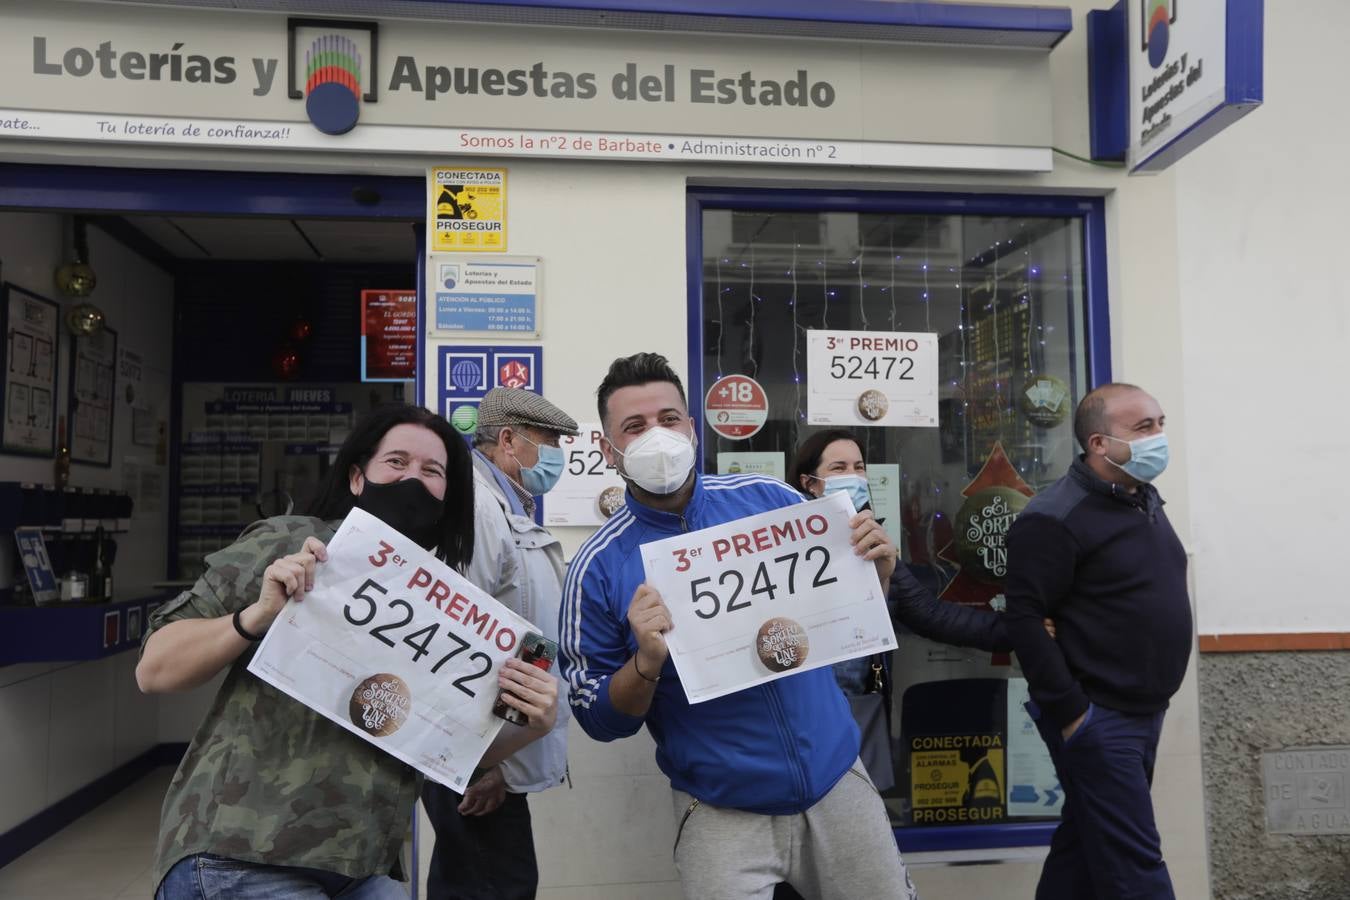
(335, 498)
(632, 371)
(1090, 417)
(809, 453)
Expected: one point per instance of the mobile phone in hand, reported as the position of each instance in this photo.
(535, 650)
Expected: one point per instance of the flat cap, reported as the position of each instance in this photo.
(517, 406)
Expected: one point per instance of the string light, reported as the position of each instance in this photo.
(721, 329)
(862, 309)
(750, 346)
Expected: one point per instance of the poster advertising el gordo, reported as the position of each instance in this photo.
(397, 648)
(767, 596)
(882, 378)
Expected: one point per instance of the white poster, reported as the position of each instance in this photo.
(1033, 786)
(396, 648)
(476, 297)
(589, 491)
(872, 378)
(883, 483)
(767, 596)
(751, 462)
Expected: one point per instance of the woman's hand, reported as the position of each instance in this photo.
(289, 577)
(532, 691)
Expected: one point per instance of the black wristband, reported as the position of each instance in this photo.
(644, 677)
(243, 633)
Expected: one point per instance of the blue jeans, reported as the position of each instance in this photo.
(1106, 846)
(209, 877)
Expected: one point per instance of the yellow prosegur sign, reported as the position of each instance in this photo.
(467, 209)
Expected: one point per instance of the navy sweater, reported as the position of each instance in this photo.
(1108, 568)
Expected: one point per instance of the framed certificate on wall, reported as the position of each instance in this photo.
(31, 326)
(93, 374)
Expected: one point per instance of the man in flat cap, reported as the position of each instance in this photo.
(484, 848)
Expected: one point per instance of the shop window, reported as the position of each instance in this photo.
(1006, 296)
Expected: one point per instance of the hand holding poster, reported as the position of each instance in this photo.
(872, 378)
(397, 648)
(767, 596)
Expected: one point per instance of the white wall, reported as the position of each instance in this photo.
(612, 237)
(63, 725)
(1266, 318)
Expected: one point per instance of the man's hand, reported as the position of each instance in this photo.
(649, 620)
(289, 577)
(871, 542)
(532, 691)
(1068, 730)
(485, 794)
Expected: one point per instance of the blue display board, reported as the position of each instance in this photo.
(465, 374)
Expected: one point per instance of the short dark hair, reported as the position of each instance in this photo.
(335, 498)
(633, 371)
(1090, 417)
(811, 450)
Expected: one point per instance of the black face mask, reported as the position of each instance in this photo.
(405, 506)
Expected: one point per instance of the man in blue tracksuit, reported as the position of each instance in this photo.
(1095, 552)
(767, 783)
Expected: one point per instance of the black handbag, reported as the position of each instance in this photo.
(871, 711)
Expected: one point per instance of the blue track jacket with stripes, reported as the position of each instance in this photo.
(773, 749)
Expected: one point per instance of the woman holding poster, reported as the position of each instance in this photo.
(272, 799)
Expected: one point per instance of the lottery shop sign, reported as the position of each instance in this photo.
(767, 596)
(397, 648)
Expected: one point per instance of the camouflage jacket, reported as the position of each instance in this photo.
(266, 779)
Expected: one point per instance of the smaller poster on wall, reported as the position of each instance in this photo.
(28, 402)
(736, 407)
(747, 462)
(37, 565)
(92, 382)
(590, 490)
(479, 297)
(388, 335)
(872, 378)
(883, 483)
(466, 209)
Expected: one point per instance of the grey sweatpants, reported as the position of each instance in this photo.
(840, 849)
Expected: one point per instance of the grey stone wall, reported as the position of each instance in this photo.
(1256, 702)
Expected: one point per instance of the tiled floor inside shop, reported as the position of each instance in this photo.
(105, 855)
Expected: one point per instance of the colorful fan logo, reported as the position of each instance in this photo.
(1158, 20)
(333, 83)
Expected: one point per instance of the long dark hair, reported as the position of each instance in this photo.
(809, 453)
(335, 498)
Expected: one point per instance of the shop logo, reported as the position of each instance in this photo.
(449, 275)
(467, 374)
(1158, 18)
(514, 374)
(328, 61)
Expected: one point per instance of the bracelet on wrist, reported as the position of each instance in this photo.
(243, 632)
(644, 677)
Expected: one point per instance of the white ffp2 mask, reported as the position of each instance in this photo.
(659, 461)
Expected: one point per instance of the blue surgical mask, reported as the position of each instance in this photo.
(541, 477)
(854, 485)
(1148, 456)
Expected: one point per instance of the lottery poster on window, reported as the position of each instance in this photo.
(766, 597)
(32, 338)
(872, 378)
(93, 379)
(397, 648)
(590, 490)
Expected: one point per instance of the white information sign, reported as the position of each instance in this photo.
(396, 648)
(589, 491)
(1033, 786)
(767, 596)
(887, 378)
(751, 462)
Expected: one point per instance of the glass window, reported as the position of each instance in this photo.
(1005, 297)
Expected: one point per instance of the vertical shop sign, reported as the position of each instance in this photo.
(388, 335)
(466, 209)
(28, 401)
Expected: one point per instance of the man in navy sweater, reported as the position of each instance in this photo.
(1095, 552)
(767, 782)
